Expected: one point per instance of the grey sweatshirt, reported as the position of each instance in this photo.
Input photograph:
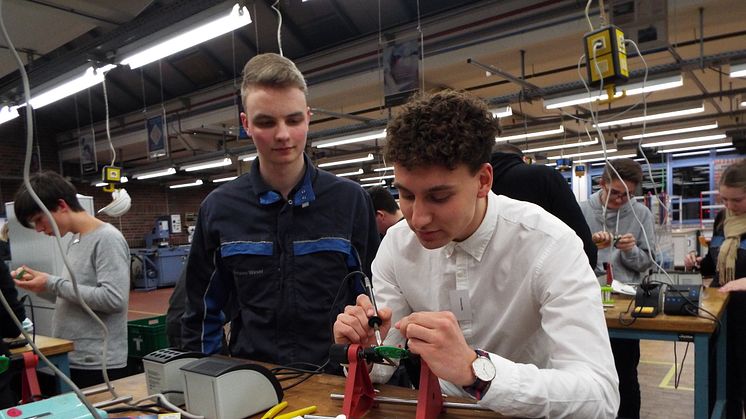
(626, 266)
(100, 261)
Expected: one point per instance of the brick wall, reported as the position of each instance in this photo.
(149, 202)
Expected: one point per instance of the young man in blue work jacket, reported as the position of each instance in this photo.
(272, 249)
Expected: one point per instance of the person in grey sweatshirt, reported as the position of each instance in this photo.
(99, 258)
(624, 243)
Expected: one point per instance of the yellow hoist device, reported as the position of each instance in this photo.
(606, 58)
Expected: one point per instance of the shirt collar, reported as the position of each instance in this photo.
(301, 195)
(476, 244)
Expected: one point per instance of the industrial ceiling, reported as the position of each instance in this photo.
(511, 53)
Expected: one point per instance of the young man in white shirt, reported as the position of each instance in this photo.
(496, 295)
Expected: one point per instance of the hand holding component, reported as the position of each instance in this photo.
(626, 242)
(352, 325)
(29, 279)
(691, 260)
(437, 338)
(602, 239)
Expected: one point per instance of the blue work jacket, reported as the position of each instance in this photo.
(276, 267)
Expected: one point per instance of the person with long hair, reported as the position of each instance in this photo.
(726, 262)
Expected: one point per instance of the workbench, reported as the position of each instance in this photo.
(56, 351)
(700, 331)
(316, 391)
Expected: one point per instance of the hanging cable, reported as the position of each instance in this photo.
(108, 130)
(422, 49)
(279, 26)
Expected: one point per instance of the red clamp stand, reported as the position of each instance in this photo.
(359, 394)
(429, 398)
(29, 382)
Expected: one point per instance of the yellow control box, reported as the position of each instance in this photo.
(606, 56)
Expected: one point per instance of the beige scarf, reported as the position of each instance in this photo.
(734, 226)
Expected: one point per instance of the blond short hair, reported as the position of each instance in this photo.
(271, 70)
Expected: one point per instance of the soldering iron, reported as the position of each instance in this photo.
(374, 321)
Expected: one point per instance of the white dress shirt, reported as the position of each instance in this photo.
(535, 307)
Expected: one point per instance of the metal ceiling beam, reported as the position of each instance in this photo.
(76, 12)
(339, 11)
(178, 71)
(214, 59)
(694, 78)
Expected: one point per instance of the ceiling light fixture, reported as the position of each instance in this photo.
(346, 160)
(186, 185)
(561, 146)
(238, 17)
(652, 117)
(355, 173)
(684, 140)
(90, 77)
(367, 185)
(690, 153)
(502, 112)
(350, 139)
(528, 135)
(738, 70)
(629, 89)
(697, 147)
(383, 169)
(226, 161)
(580, 154)
(156, 173)
(674, 131)
(224, 179)
(247, 157)
(614, 157)
(8, 114)
(723, 150)
(377, 178)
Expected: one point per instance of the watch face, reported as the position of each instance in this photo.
(483, 368)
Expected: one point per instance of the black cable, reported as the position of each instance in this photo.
(147, 408)
(621, 315)
(677, 376)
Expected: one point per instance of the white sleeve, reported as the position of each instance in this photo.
(581, 379)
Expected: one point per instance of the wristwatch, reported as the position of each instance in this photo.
(485, 372)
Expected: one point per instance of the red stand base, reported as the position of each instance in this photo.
(29, 382)
(359, 394)
(429, 398)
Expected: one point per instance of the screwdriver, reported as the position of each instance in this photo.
(374, 321)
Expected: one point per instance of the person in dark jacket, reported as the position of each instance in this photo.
(8, 329)
(726, 260)
(276, 250)
(542, 186)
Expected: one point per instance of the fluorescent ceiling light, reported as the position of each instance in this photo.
(8, 114)
(743, 104)
(580, 154)
(630, 89)
(684, 140)
(723, 150)
(90, 77)
(383, 169)
(550, 164)
(365, 185)
(247, 157)
(355, 173)
(101, 184)
(350, 139)
(224, 179)
(124, 179)
(561, 146)
(674, 131)
(690, 153)
(502, 112)
(156, 173)
(330, 163)
(377, 178)
(238, 17)
(617, 156)
(528, 135)
(186, 185)
(226, 161)
(697, 147)
(738, 70)
(652, 117)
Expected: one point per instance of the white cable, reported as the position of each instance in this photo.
(279, 26)
(108, 131)
(167, 404)
(27, 184)
(587, 14)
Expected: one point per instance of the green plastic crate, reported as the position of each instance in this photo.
(146, 335)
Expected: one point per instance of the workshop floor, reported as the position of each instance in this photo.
(660, 400)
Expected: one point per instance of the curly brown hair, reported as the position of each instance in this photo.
(446, 129)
